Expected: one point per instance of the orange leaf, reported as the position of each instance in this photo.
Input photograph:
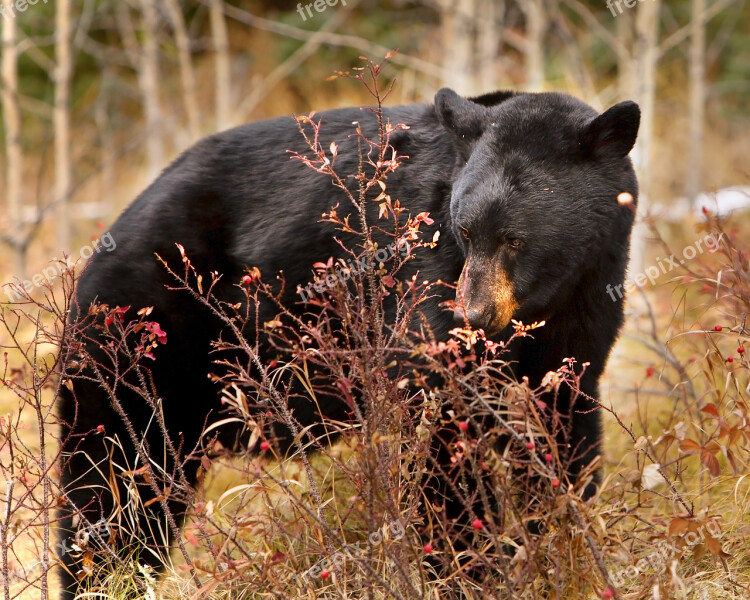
(677, 526)
(735, 435)
(690, 446)
(713, 446)
(713, 545)
(153, 500)
(191, 538)
(710, 462)
(711, 410)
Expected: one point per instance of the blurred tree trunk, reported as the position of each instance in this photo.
(187, 72)
(63, 157)
(536, 27)
(697, 115)
(148, 80)
(107, 149)
(456, 22)
(471, 33)
(647, 55)
(625, 76)
(220, 38)
(490, 16)
(646, 52)
(13, 150)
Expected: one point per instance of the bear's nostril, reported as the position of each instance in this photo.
(476, 319)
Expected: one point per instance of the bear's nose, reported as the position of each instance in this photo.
(476, 318)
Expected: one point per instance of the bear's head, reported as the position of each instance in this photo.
(534, 200)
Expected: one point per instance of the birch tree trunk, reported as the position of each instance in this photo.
(536, 27)
(697, 98)
(625, 76)
(187, 72)
(646, 52)
(13, 150)
(107, 149)
(63, 157)
(456, 18)
(148, 80)
(490, 15)
(223, 65)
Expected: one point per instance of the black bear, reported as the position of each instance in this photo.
(523, 188)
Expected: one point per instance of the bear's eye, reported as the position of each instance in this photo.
(465, 233)
(515, 243)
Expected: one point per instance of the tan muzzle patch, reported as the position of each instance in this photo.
(479, 287)
(504, 300)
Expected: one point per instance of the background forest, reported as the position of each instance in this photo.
(98, 96)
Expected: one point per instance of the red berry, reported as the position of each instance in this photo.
(477, 524)
(463, 426)
(649, 371)
(705, 212)
(428, 548)
(99, 428)
(555, 483)
(548, 457)
(740, 350)
(264, 445)
(247, 280)
(609, 592)
(730, 359)
(529, 445)
(717, 328)
(325, 574)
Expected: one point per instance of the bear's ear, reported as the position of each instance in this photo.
(613, 132)
(462, 119)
